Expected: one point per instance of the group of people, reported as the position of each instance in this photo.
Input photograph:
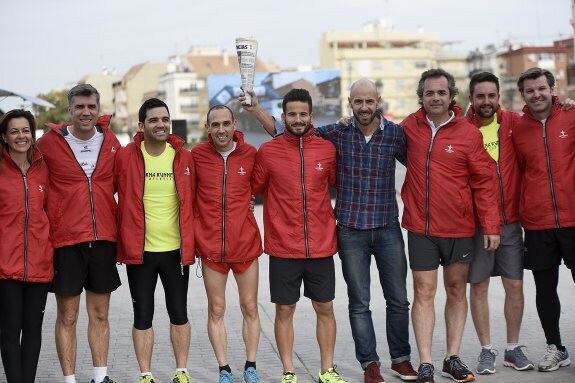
(473, 181)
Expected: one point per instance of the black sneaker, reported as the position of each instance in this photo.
(455, 369)
(425, 373)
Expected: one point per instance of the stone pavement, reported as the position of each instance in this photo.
(123, 367)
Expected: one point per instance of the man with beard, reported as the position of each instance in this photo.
(449, 174)
(299, 229)
(496, 125)
(367, 213)
(544, 142)
(156, 191)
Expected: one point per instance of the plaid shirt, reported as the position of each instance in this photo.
(366, 196)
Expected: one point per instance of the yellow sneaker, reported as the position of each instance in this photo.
(330, 376)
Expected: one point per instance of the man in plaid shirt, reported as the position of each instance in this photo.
(367, 213)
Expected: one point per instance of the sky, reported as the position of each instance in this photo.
(51, 44)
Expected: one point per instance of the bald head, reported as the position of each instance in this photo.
(364, 86)
(363, 100)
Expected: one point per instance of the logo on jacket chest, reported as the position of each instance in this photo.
(40, 188)
(187, 171)
(449, 149)
(319, 167)
(563, 134)
(242, 171)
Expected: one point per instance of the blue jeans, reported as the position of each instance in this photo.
(355, 250)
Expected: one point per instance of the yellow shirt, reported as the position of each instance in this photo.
(491, 138)
(161, 204)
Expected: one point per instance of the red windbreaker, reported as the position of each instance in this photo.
(80, 209)
(293, 173)
(546, 156)
(130, 177)
(226, 229)
(445, 176)
(25, 247)
(507, 169)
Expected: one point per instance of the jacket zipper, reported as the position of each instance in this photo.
(302, 169)
(179, 213)
(26, 228)
(427, 181)
(500, 178)
(90, 191)
(552, 188)
(224, 183)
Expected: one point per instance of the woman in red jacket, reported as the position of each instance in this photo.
(25, 247)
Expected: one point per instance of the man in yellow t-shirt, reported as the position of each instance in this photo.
(156, 234)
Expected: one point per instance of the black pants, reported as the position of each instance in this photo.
(548, 304)
(21, 314)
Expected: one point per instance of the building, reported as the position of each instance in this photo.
(183, 85)
(104, 83)
(518, 59)
(139, 83)
(394, 60)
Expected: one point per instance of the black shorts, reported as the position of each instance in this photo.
(142, 280)
(426, 252)
(286, 276)
(89, 265)
(545, 249)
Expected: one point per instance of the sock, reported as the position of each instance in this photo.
(70, 378)
(226, 368)
(487, 346)
(100, 373)
(249, 364)
(146, 373)
(561, 348)
(511, 346)
(184, 370)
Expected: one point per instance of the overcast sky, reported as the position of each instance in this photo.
(47, 44)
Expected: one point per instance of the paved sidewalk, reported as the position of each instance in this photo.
(203, 367)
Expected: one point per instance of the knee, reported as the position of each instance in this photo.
(216, 311)
(456, 290)
(285, 312)
(480, 289)
(250, 310)
(514, 288)
(323, 309)
(424, 292)
(67, 317)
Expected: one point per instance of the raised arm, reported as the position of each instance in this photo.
(267, 121)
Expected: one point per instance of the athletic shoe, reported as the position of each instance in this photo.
(289, 377)
(372, 374)
(425, 373)
(251, 375)
(516, 358)
(486, 361)
(182, 377)
(553, 359)
(404, 370)
(226, 377)
(456, 370)
(146, 379)
(108, 380)
(330, 376)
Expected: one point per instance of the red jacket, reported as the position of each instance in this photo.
(546, 156)
(226, 229)
(80, 210)
(445, 176)
(293, 173)
(130, 177)
(507, 169)
(25, 244)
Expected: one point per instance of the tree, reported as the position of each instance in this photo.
(58, 114)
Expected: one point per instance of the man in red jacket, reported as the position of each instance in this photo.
(156, 233)
(447, 171)
(544, 140)
(82, 214)
(227, 234)
(495, 126)
(300, 228)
